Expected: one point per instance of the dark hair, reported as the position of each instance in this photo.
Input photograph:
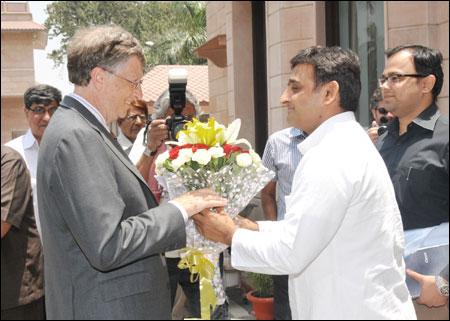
(427, 61)
(334, 63)
(41, 94)
(377, 96)
(99, 46)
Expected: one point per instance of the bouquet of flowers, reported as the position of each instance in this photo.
(207, 155)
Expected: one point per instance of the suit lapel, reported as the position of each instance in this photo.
(70, 103)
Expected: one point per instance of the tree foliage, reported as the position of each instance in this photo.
(168, 31)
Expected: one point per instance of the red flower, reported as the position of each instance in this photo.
(199, 146)
(173, 154)
(228, 149)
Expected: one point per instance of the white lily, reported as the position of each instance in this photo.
(232, 131)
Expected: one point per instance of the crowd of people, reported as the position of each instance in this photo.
(88, 233)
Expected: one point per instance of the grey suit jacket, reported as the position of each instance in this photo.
(102, 230)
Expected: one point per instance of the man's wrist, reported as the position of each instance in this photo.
(442, 285)
(150, 153)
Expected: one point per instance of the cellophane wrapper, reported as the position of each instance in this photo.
(238, 185)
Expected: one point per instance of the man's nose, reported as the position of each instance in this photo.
(284, 99)
(46, 116)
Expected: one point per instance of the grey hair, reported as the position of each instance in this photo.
(99, 46)
(162, 104)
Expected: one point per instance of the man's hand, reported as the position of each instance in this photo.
(216, 226)
(429, 293)
(243, 222)
(373, 132)
(157, 134)
(196, 201)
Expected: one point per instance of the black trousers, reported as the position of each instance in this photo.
(281, 307)
(191, 290)
(31, 311)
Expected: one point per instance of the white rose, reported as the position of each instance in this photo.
(186, 153)
(216, 152)
(178, 162)
(201, 156)
(244, 160)
(255, 157)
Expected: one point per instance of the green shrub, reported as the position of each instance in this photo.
(261, 283)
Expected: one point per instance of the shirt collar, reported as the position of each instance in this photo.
(428, 118)
(323, 130)
(91, 109)
(29, 140)
(296, 133)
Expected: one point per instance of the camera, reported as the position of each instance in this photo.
(177, 94)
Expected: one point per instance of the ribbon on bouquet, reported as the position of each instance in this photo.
(200, 268)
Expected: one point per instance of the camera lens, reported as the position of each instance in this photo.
(382, 130)
(176, 128)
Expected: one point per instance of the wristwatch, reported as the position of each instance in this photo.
(148, 152)
(442, 285)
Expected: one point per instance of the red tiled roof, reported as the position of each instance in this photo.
(156, 81)
(21, 26)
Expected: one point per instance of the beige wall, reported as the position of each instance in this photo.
(231, 88)
(216, 19)
(13, 117)
(291, 26)
(17, 63)
(420, 22)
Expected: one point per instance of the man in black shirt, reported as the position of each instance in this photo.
(416, 145)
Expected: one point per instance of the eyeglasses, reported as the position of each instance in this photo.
(41, 110)
(396, 78)
(133, 118)
(135, 84)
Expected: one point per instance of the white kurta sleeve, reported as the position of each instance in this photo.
(316, 208)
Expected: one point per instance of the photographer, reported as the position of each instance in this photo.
(158, 132)
(381, 117)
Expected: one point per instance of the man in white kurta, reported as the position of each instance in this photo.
(341, 242)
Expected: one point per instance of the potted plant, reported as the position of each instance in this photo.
(261, 296)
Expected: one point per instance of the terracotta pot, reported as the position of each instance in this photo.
(263, 307)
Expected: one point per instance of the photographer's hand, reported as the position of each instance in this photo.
(373, 132)
(157, 134)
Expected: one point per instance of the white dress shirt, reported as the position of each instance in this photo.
(124, 142)
(342, 238)
(28, 147)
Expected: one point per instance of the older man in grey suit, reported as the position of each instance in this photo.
(102, 230)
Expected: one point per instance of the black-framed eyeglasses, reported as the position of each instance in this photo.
(41, 110)
(396, 78)
(135, 84)
(133, 118)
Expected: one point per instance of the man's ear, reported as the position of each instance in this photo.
(428, 83)
(97, 77)
(330, 92)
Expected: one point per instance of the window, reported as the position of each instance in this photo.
(361, 28)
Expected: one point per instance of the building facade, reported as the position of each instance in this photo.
(250, 44)
(20, 35)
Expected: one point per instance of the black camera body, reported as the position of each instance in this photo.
(177, 94)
